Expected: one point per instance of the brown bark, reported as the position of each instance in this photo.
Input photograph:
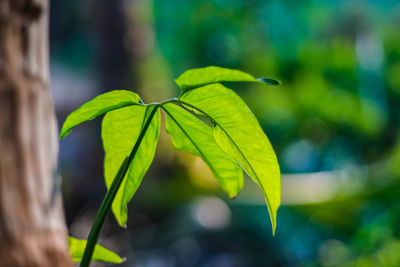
(32, 228)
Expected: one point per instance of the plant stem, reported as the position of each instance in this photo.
(110, 195)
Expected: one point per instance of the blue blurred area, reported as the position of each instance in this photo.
(334, 123)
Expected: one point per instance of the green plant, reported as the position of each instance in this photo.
(207, 119)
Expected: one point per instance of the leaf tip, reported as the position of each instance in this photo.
(180, 85)
(269, 81)
(273, 229)
(63, 134)
(273, 216)
(124, 219)
(232, 195)
(119, 215)
(122, 223)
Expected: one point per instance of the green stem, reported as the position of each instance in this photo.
(111, 193)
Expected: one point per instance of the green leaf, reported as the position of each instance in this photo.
(194, 136)
(77, 247)
(239, 134)
(98, 106)
(202, 76)
(120, 130)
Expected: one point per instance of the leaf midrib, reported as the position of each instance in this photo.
(65, 132)
(233, 142)
(122, 207)
(191, 140)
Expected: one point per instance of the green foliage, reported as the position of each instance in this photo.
(238, 133)
(77, 247)
(120, 130)
(198, 77)
(209, 120)
(195, 137)
(98, 106)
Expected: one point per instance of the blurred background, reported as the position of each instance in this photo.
(334, 124)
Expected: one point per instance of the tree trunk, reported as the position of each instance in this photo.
(32, 228)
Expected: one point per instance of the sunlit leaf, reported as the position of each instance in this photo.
(77, 247)
(98, 106)
(198, 77)
(239, 134)
(120, 130)
(195, 136)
